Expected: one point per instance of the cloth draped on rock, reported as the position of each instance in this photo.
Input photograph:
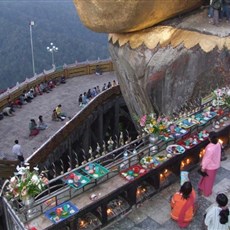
(206, 182)
(182, 209)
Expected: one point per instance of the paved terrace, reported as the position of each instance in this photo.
(17, 127)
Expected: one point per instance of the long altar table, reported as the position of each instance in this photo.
(116, 185)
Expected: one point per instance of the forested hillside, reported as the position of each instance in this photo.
(55, 21)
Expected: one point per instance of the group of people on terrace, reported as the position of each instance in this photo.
(183, 202)
(85, 97)
(27, 97)
(218, 10)
(57, 115)
(35, 127)
(39, 89)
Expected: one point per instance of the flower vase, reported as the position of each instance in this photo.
(28, 200)
(153, 138)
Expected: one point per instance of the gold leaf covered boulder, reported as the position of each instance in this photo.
(118, 16)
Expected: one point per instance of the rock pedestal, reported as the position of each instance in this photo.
(164, 67)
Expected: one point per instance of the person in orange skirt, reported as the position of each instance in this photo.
(183, 205)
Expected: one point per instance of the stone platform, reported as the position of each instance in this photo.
(17, 127)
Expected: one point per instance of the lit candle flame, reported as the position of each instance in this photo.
(82, 223)
(109, 211)
(220, 141)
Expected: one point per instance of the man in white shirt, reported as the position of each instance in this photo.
(16, 150)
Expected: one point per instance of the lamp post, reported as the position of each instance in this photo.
(32, 48)
(52, 49)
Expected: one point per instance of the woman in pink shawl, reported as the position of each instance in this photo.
(210, 163)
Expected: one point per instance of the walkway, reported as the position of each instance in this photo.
(154, 214)
(17, 127)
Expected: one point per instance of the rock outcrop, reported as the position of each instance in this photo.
(164, 67)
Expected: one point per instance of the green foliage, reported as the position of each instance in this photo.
(227, 100)
(55, 21)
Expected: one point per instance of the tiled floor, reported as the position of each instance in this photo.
(155, 212)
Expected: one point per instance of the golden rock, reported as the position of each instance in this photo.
(118, 16)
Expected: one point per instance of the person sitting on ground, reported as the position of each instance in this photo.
(98, 70)
(182, 205)
(18, 103)
(59, 112)
(33, 92)
(37, 90)
(63, 81)
(33, 128)
(27, 99)
(55, 116)
(51, 84)
(29, 96)
(46, 87)
(42, 87)
(11, 105)
(217, 217)
(22, 99)
(7, 111)
(41, 124)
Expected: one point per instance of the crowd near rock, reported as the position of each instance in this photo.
(85, 97)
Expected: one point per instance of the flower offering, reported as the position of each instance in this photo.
(153, 125)
(26, 183)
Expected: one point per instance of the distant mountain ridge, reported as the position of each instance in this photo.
(55, 21)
